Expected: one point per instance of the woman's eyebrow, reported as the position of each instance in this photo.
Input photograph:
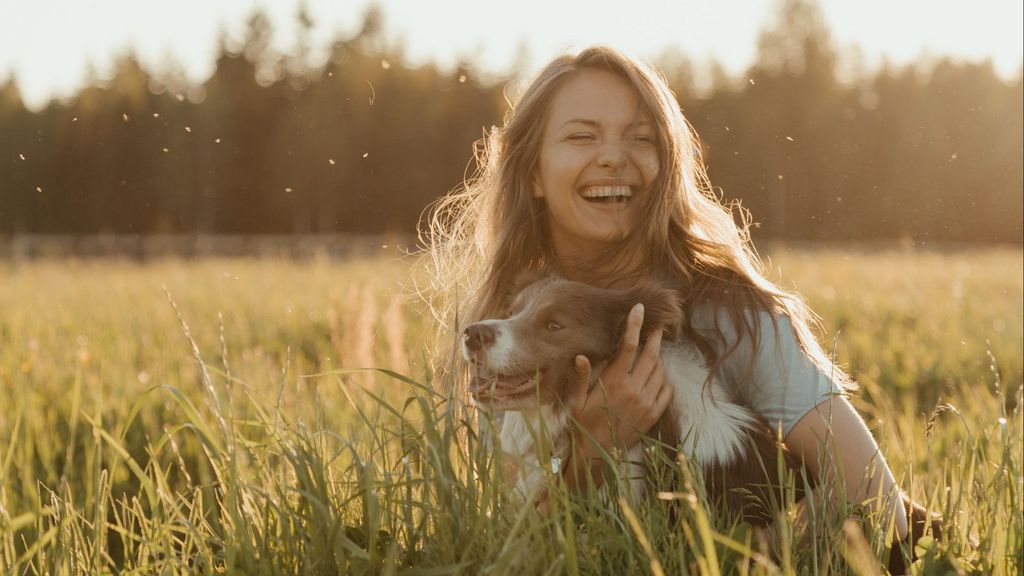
(586, 122)
(580, 121)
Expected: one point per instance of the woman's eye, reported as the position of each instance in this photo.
(554, 326)
(644, 138)
(581, 136)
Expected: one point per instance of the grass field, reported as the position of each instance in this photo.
(185, 417)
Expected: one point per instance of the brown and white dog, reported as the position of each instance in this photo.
(523, 365)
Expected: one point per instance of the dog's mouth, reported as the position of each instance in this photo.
(502, 389)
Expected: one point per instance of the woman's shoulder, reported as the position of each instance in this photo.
(717, 321)
(765, 363)
(754, 344)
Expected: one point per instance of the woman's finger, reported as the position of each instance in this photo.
(583, 371)
(664, 398)
(649, 357)
(630, 339)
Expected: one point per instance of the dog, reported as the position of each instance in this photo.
(523, 364)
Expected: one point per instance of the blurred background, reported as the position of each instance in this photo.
(183, 406)
(830, 122)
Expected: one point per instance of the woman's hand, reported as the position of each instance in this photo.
(629, 397)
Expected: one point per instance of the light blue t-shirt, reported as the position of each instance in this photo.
(783, 384)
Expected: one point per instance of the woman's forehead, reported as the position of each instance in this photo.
(597, 98)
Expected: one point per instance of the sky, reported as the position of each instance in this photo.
(51, 45)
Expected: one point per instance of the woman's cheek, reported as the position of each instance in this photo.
(649, 167)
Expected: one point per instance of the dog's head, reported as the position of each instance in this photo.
(527, 359)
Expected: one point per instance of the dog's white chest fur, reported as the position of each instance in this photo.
(712, 426)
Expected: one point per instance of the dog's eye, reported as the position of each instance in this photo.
(554, 326)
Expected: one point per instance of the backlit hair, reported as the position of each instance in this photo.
(483, 235)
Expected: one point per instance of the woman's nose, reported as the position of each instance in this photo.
(612, 154)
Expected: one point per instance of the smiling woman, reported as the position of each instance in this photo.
(598, 152)
(596, 177)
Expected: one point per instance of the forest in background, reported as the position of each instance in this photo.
(269, 144)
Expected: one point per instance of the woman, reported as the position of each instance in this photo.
(597, 176)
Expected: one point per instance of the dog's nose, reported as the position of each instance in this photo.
(478, 336)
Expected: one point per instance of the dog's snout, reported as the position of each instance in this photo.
(478, 336)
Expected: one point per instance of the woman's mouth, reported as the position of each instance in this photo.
(607, 194)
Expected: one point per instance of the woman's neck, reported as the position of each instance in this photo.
(605, 267)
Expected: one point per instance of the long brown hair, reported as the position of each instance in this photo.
(483, 235)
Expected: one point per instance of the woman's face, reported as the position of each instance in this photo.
(598, 158)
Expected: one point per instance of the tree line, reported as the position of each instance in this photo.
(270, 145)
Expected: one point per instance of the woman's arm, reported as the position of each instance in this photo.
(834, 427)
(781, 383)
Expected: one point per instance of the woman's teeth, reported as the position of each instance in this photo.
(607, 193)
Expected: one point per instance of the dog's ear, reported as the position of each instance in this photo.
(521, 283)
(662, 309)
(524, 279)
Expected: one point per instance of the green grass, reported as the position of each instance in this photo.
(246, 440)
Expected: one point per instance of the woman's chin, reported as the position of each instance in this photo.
(603, 234)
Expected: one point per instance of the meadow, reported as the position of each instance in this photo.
(266, 416)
